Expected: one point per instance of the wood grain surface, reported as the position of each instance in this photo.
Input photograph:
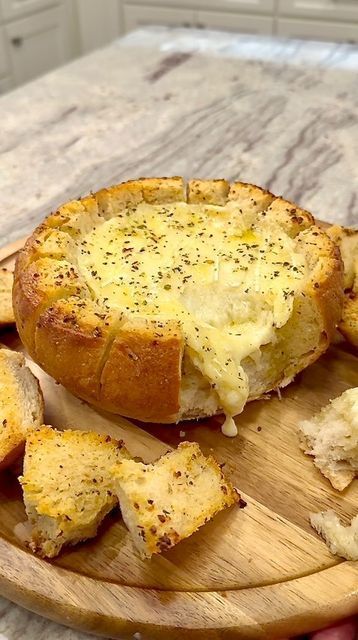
(257, 572)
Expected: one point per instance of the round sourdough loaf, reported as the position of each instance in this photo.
(163, 301)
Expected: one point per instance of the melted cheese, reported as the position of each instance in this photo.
(228, 283)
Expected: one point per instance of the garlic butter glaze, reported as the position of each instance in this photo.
(228, 277)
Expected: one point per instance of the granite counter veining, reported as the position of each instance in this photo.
(283, 114)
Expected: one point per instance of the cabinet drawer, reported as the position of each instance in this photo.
(17, 8)
(241, 23)
(249, 6)
(136, 16)
(4, 63)
(244, 6)
(339, 10)
(37, 44)
(317, 30)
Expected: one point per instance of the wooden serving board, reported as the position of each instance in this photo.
(257, 572)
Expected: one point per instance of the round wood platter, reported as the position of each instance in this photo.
(256, 572)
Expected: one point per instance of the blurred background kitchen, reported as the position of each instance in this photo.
(39, 35)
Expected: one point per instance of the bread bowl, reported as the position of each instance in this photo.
(163, 301)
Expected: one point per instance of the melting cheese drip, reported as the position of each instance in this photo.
(229, 284)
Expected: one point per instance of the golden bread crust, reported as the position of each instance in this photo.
(131, 367)
(159, 518)
(349, 322)
(147, 359)
(21, 405)
(325, 283)
(36, 286)
(347, 241)
(6, 310)
(250, 197)
(77, 331)
(208, 191)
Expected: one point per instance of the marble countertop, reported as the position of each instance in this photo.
(282, 114)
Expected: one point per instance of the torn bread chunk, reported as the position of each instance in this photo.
(165, 502)
(21, 405)
(331, 437)
(67, 486)
(6, 311)
(341, 541)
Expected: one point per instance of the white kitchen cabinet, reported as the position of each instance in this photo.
(4, 61)
(37, 44)
(16, 8)
(338, 10)
(136, 16)
(99, 23)
(241, 23)
(317, 30)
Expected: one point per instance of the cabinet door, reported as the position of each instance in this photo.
(37, 44)
(4, 63)
(17, 8)
(317, 30)
(136, 16)
(339, 10)
(241, 23)
(99, 23)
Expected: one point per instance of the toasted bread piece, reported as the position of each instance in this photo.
(21, 405)
(67, 487)
(172, 301)
(165, 502)
(341, 541)
(6, 310)
(347, 240)
(331, 437)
